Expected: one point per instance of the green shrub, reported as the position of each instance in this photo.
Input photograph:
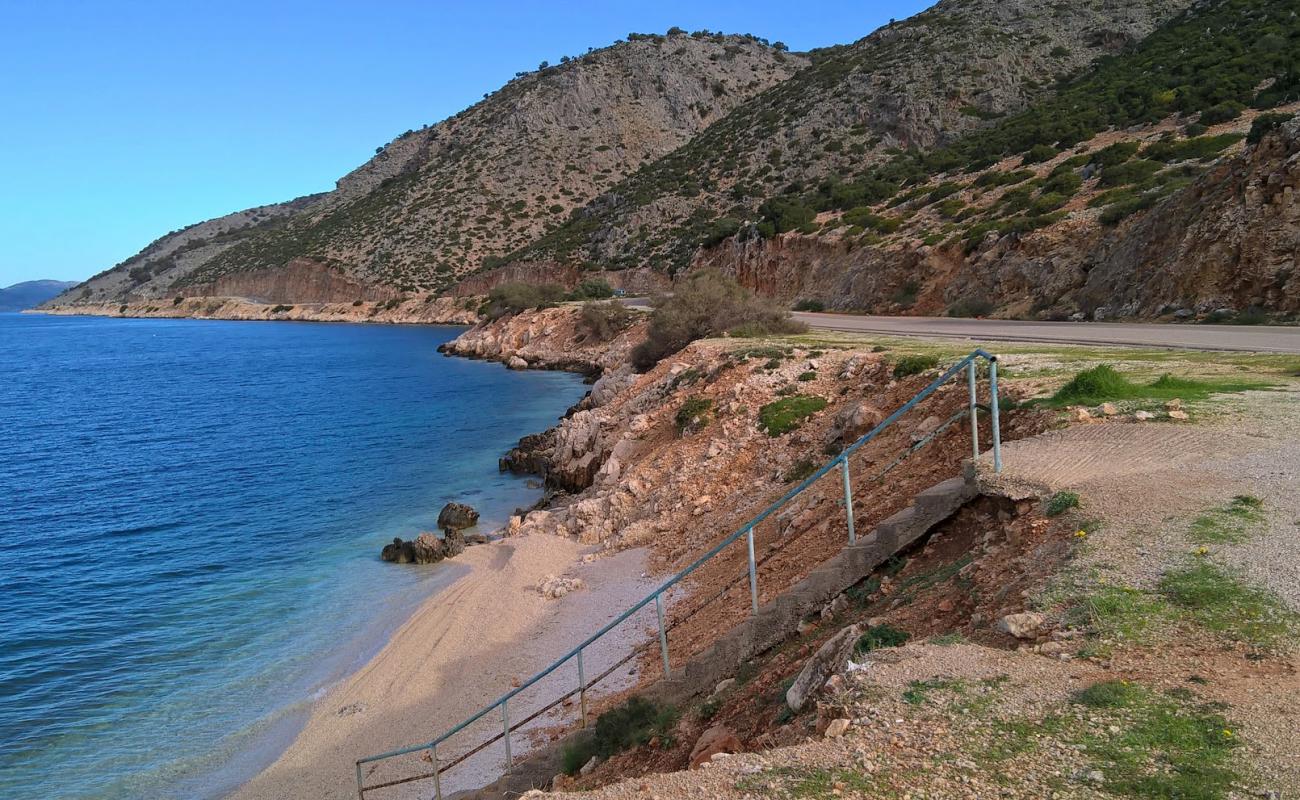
(807, 376)
(177, 300)
(592, 289)
(1103, 383)
(1222, 112)
(784, 415)
(906, 366)
(605, 320)
(880, 636)
(1265, 124)
(694, 414)
(802, 469)
(1039, 153)
(1134, 171)
(1200, 147)
(1062, 502)
(708, 303)
(630, 725)
(1063, 183)
(1115, 154)
(280, 309)
(511, 298)
(810, 305)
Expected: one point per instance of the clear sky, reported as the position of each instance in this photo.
(121, 120)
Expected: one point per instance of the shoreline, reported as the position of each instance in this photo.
(461, 648)
(420, 310)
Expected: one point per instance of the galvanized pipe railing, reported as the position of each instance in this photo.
(968, 363)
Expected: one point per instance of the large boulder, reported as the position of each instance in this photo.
(457, 517)
(852, 422)
(830, 659)
(428, 549)
(716, 739)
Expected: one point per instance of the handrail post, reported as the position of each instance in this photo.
(582, 690)
(663, 631)
(848, 499)
(360, 792)
(437, 783)
(974, 406)
(505, 722)
(753, 571)
(993, 410)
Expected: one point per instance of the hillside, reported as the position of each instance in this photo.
(30, 294)
(433, 204)
(1158, 183)
(912, 85)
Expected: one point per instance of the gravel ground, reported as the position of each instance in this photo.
(1144, 482)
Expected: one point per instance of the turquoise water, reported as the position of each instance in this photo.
(190, 518)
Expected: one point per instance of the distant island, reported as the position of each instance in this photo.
(30, 294)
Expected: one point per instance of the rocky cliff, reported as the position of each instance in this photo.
(433, 204)
(913, 84)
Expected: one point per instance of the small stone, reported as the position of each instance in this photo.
(1178, 414)
(1080, 415)
(1109, 409)
(1173, 405)
(589, 766)
(1021, 626)
(723, 686)
(837, 728)
(515, 362)
(1143, 416)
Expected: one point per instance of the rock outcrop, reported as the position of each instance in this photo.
(457, 517)
(830, 659)
(428, 548)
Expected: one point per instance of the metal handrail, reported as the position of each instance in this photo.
(968, 363)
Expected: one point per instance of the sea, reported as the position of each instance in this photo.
(191, 514)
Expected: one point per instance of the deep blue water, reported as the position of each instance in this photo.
(190, 519)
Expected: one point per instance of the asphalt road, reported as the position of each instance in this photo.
(1260, 339)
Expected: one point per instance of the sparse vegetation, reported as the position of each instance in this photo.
(695, 413)
(910, 365)
(1062, 502)
(604, 321)
(630, 725)
(511, 298)
(708, 303)
(1223, 603)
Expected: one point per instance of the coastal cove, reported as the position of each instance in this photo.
(215, 495)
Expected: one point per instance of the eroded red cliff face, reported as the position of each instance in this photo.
(1230, 240)
(302, 280)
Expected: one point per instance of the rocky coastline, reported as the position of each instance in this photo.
(420, 310)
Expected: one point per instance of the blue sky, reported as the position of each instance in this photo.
(121, 121)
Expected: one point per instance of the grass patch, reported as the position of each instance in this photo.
(630, 725)
(1167, 746)
(1121, 612)
(1062, 502)
(1103, 383)
(1228, 523)
(800, 470)
(1221, 602)
(807, 376)
(914, 365)
(694, 414)
(808, 782)
(786, 414)
(1109, 694)
(917, 692)
(948, 639)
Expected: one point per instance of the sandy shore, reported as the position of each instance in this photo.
(463, 648)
